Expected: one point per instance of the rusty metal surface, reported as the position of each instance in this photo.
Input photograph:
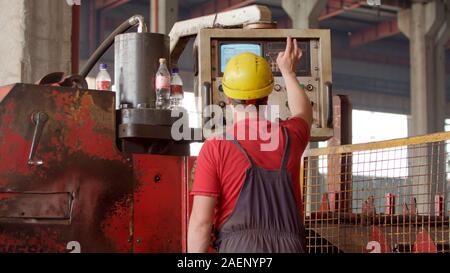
(77, 148)
(63, 80)
(160, 190)
(189, 171)
(35, 205)
(85, 195)
(4, 90)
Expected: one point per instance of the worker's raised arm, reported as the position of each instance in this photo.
(299, 103)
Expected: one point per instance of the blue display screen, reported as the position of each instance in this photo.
(228, 51)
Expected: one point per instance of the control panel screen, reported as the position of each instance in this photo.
(268, 49)
(228, 51)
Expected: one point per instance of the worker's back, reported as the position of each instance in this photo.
(223, 168)
(250, 180)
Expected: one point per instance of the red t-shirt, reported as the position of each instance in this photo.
(221, 166)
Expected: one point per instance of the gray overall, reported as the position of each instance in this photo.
(265, 218)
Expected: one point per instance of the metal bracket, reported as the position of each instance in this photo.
(39, 119)
(329, 116)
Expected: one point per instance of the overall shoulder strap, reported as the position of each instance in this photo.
(236, 143)
(285, 159)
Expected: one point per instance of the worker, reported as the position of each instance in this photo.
(246, 199)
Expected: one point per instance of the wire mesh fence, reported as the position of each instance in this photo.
(389, 196)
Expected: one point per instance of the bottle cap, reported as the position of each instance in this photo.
(162, 60)
(175, 70)
(103, 66)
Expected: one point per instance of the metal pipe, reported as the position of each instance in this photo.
(155, 18)
(139, 20)
(329, 96)
(75, 38)
(133, 21)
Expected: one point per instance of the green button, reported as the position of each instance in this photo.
(302, 85)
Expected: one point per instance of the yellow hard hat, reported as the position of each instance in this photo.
(247, 76)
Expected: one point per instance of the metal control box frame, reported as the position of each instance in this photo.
(320, 77)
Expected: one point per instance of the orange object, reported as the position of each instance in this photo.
(424, 243)
(377, 242)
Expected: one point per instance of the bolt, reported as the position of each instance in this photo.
(277, 87)
(157, 178)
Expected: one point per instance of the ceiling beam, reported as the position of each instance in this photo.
(334, 7)
(337, 7)
(103, 5)
(382, 30)
(96, 18)
(216, 6)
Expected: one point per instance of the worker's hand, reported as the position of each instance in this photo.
(287, 61)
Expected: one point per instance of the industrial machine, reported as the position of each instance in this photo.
(216, 46)
(79, 175)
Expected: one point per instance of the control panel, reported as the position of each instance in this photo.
(217, 46)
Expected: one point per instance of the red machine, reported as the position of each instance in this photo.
(65, 187)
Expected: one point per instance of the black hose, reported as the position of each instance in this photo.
(98, 53)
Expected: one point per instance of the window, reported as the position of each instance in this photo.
(371, 126)
(375, 126)
(189, 103)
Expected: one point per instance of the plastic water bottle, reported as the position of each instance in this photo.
(162, 86)
(103, 79)
(176, 89)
